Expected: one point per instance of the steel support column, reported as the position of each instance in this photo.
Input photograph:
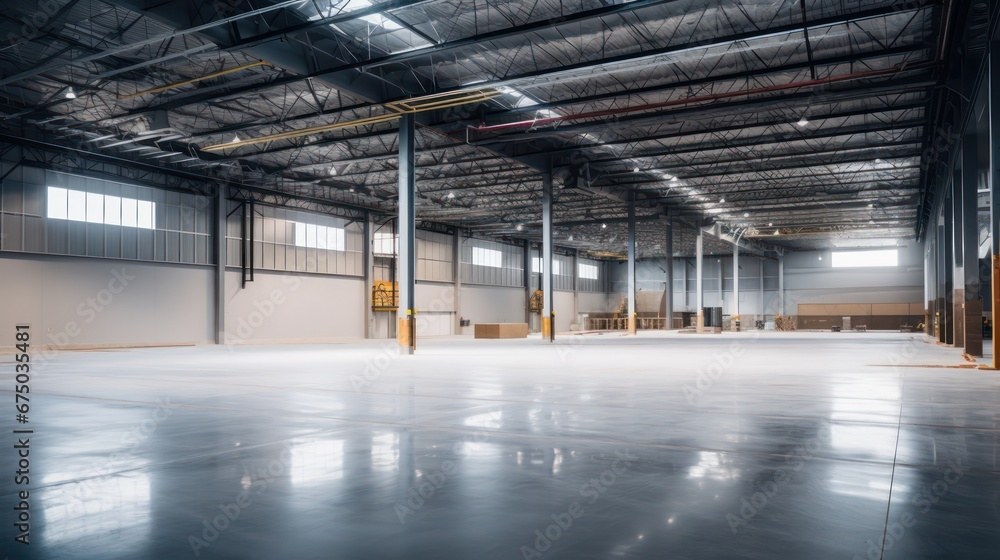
(457, 273)
(698, 274)
(736, 286)
(367, 262)
(548, 308)
(781, 285)
(527, 277)
(958, 258)
(668, 296)
(948, 269)
(972, 306)
(994, 178)
(632, 326)
(407, 331)
(221, 216)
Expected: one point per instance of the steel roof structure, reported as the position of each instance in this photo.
(795, 123)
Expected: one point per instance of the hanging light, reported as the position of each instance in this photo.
(604, 226)
(235, 139)
(451, 194)
(803, 122)
(70, 94)
(722, 200)
(571, 237)
(746, 214)
(333, 170)
(519, 227)
(674, 179)
(635, 170)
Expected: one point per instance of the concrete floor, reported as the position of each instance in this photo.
(790, 446)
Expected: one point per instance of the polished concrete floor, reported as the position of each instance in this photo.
(666, 446)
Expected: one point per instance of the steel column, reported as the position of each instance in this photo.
(972, 306)
(994, 178)
(699, 273)
(367, 263)
(736, 285)
(527, 277)
(632, 327)
(781, 285)
(221, 216)
(407, 331)
(457, 273)
(548, 308)
(948, 268)
(668, 304)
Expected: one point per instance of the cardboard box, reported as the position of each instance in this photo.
(501, 330)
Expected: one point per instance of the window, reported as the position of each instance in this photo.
(313, 236)
(385, 243)
(486, 257)
(80, 206)
(588, 271)
(856, 259)
(536, 265)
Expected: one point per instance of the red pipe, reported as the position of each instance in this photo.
(674, 102)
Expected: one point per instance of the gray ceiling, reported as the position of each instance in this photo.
(799, 123)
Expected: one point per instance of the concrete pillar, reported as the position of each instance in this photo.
(698, 273)
(972, 306)
(407, 331)
(632, 326)
(221, 215)
(548, 309)
(668, 296)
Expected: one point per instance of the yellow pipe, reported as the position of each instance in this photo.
(193, 80)
(397, 108)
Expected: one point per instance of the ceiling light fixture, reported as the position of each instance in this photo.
(604, 226)
(722, 200)
(674, 179)
(235, 140)
(803, 122)
(571, 237)
(746, 214)
(635, 170)
(333, 171)
(70, 94)
(519, 227)
(451, 194)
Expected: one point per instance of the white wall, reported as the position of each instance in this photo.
(807, 280)
(491, 304)
(286, 307)
(89, 302)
